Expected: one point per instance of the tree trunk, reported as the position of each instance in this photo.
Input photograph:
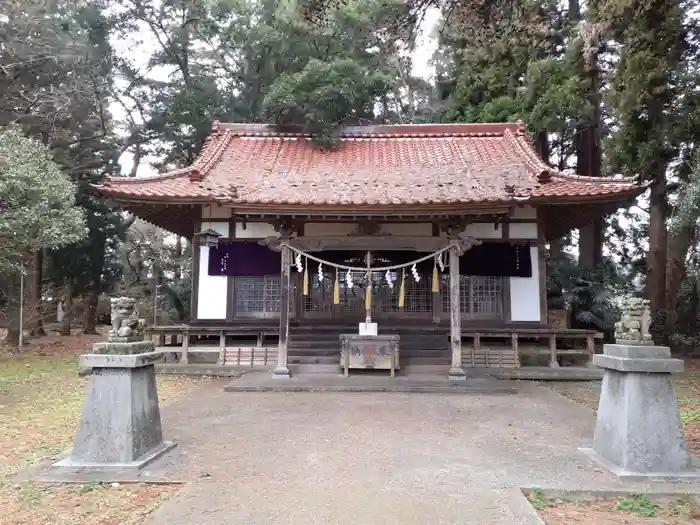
(589, 157)
(542, 145)
(34, 310)
(68, 313)
(694, 304)
(590, 245)
(177, 303)
(178, 259)
(13, 330)
(677, 248)
(656, 259)
(678, 245)
(574, 10)
(139, 265)
(555, 250)
(588, 163)
(12, 310)
(90, 318)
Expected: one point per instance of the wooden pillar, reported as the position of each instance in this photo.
(282, 371)
(456, 370)
(368, 290)
(553, 362)
(222, 347)
(184, 360)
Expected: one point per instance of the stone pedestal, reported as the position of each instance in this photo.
(638, 433)
(120, 425)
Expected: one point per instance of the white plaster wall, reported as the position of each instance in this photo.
(215, 212)
(483, 230)
(524, 212)
(418, 229)
(255, 230)
(525, 293)
(318, 229)
(522, 230)
(212, 290)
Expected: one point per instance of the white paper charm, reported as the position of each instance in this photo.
(348, 280)
(414, 271)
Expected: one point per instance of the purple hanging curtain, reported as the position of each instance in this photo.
(497, 259)
(239, 259)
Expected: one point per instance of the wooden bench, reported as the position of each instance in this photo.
(509, 356)
(182, 333)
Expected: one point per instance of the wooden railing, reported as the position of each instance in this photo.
(176, 338)
(479, 356)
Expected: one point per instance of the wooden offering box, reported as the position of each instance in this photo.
(370, 351)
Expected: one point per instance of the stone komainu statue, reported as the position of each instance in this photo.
(125, 321)
(633, 327)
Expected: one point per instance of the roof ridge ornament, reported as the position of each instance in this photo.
(570, 174)
(544, 176)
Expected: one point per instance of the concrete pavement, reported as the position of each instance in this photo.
(373, 458)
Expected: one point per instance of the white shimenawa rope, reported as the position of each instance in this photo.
(364, 268)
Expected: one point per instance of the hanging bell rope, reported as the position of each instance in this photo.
(336, 287)
(436, 278)
(306, 279)
(368, 299)
(402, 289)
(363, 269)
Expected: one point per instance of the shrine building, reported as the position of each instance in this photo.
(436, 232)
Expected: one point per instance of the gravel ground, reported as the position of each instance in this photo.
(356, 458)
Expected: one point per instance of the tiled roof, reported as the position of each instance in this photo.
(392, 165)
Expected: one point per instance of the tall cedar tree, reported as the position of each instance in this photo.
(650, 120)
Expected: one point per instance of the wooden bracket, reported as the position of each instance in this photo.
(284, 226)
(455, 226)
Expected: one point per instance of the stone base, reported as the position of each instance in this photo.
(120, 422)
(120, 361)
(638, 428)
(72, 464)
(281, 372)
(124, 346)
(456, 374)
(632, 476)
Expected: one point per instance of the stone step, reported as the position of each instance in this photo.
(329, 360)
(332, 368)
(438, 338)
(414, 352)
(402, 344)
(313, 360)
(411, 347)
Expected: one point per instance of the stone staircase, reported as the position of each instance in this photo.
(320, 345)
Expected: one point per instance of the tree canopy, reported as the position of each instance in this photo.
(37, 202)
(119, 87)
